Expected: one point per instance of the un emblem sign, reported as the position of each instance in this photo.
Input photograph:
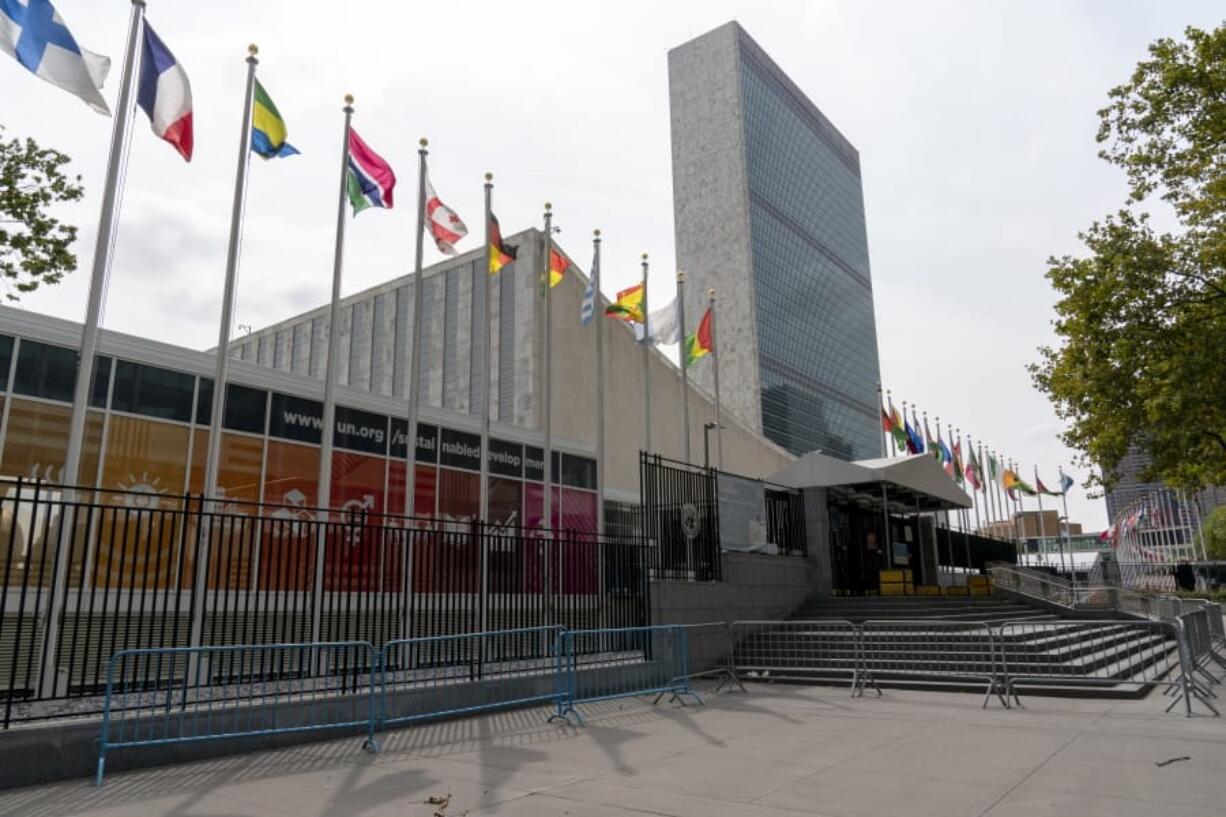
(690, 524)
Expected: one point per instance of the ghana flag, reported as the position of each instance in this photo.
(628, 306)
(500, 254)
(699, 343)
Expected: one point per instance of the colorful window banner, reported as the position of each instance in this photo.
(424, 488)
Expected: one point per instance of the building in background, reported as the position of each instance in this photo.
(1131, 488)
(769, 211)
(147, 430)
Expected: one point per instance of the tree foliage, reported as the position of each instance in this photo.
(1142, 317)
(34, 246)
(1214, 528)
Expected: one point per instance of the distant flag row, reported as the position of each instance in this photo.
(968, 469)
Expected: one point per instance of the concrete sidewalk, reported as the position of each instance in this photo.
(778, 750)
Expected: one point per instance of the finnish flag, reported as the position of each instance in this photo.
(34, 34)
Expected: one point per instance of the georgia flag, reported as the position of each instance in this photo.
(165, 94)
(445, 226)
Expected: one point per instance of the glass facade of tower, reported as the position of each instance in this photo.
(817, 340)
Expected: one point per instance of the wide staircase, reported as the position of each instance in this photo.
(959, 644)
(859, 609)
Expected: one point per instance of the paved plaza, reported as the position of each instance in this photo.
(779, 750)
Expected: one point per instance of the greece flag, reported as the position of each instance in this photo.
(34, 34)
(588, 308)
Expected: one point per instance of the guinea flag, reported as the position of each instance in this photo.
(557, 268)
(699, 343)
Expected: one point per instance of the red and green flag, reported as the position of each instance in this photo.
(699, 343)
(628, 306)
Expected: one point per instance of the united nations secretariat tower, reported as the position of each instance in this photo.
(770, 212)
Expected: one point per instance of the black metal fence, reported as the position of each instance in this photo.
(680, 506)
(86, 573)
(785, 521)
(682, 516)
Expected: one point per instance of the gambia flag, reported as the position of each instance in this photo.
(699, 344)
(370, 180)
(628, 306)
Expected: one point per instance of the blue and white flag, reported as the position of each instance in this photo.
(1066, 482)
(34, 34)
(588, 308)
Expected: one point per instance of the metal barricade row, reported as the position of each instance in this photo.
(826, 650)
(163, 696)
(450, 675)
(930, 654)
(626, 662)
(1115, 655)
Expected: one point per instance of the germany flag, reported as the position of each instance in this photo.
(500, 254)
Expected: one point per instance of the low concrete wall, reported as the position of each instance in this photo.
(45, 753)
(754, 586)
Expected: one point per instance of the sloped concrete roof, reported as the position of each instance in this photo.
(912, 482)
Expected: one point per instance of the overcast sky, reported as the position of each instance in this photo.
(975, 124)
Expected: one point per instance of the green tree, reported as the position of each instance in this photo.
(34, 246)
(1215, 534)
(1141, 319)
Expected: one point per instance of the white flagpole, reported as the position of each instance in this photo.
(547, 369)
(1066, 537)
(970, 446)
(211, 488)
(334, 308)
(715, 353)
(104, 245)
(597, 318)
(646, 366)
(890, 409)
(485, 361)
(410, 440)
(881, 408)
(685, 383)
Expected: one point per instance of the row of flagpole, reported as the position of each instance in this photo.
(357, 174)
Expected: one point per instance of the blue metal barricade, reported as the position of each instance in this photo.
(599, 665)
(161, 696)
(449, 675)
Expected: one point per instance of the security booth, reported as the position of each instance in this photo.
(881, 518)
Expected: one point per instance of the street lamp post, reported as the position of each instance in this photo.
(707, 428)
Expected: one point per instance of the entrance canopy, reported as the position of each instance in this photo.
(909, 484)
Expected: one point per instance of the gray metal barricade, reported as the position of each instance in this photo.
(709, 653)
(1109, 655)
(625, 662)
(818, 651)
(929, 654)
(1199, 630)
(452, 675)
(161, 696)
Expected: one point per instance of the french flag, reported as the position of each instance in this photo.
(165, 94)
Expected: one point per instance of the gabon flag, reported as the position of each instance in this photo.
(699, 343)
